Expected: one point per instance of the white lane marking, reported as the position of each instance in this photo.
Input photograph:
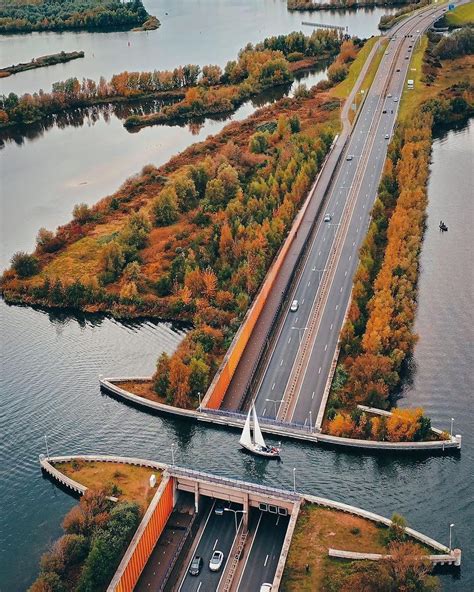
(330, 328)
(337, 306)
(312, 396)
(350, 257)
(353, 244)
(199, 587)
(302, 302)
(345, 273)
(325, 347)
(309, 283)
(340, 289)
(319, 372)
(273, 386)
(278, 520)
(289, 340)
(264, 411)
(296, 320)
(265, 562)
(215, 545)
(281, 363)
(319, 254)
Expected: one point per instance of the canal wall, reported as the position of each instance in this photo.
(277, 428)
(453, 558)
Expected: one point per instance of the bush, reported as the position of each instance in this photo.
(258, 143)
(82, 213)
(165, 207)
(24, 264)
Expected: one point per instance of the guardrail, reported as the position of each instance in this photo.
(234, 558)
(234, 483)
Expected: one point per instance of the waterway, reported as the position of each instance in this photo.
(49, 385)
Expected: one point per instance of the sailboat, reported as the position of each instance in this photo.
(256, 445)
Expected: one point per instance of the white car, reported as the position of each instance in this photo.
(266, 588)
(216, 561)
(327, 218)
(387, 136)
(395, 99)
(389, 96)
(349, 157)
(294, 306)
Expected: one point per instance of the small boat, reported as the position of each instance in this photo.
(256, 444)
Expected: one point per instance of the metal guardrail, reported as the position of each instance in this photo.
(179, 548)
(234, 483)
(232, 566)
(262, 420)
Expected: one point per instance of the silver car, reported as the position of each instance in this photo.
(216, 561)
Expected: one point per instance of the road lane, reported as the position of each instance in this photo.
(265, 552)
(218, 534)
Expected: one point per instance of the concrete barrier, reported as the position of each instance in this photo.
(453, 558)
(286, 546)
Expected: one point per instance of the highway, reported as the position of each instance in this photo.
(298, 369)
(218, 534)
(264, 553)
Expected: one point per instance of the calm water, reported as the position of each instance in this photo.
(49, 384)
(194, 31)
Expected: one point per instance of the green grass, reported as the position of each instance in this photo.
(462, 15)
(411, 97)
(343, 89)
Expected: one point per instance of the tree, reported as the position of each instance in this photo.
(161, 378)
(179, 382)
(258, 143)
(165, 207)
(397, 528)
(113, 259)
(186, 193)
(199, 376)
(25, 265)
(48, 582)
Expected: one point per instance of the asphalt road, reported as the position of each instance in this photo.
(368, 147)
(218, 534)
(265, 552)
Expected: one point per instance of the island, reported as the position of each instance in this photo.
(41, 62)
(25, 16)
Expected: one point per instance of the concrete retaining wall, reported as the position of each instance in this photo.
(320, 501)
(453, 558)
(286, 546)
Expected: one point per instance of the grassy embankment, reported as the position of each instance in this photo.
(317, 530)
(343, 89)
(41, 62)
(460, 16)
(126, 482)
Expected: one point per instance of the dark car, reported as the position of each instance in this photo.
(196, 566)
(384, 111)
(398, 69)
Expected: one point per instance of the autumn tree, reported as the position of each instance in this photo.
(25, 265)
(161, 378)
(179, 387)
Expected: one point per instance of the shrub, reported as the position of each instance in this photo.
(82, 213)
(24, 264)
(165, 207)
(258, 143)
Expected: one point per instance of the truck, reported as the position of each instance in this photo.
(410, 83)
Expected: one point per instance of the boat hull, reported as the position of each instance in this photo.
(259, 452)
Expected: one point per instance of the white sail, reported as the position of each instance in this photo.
(246, 438)
(257, 434)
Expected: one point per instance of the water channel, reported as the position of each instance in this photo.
(50, 362)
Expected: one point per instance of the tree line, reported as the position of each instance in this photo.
(61, 15)
(85, 558)
(311, 5)
(256, 67)
(378, 336)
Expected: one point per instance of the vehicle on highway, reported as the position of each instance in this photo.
(294, 306)
(266, 588)
(398, 69)
(216, 561)
(219, 509)
(407, 57)
(384, 111)
(327, 218)
(389, 96)
(349, 157)
(395, 99)
(196, 566)
(256, 444)
(387, 136)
